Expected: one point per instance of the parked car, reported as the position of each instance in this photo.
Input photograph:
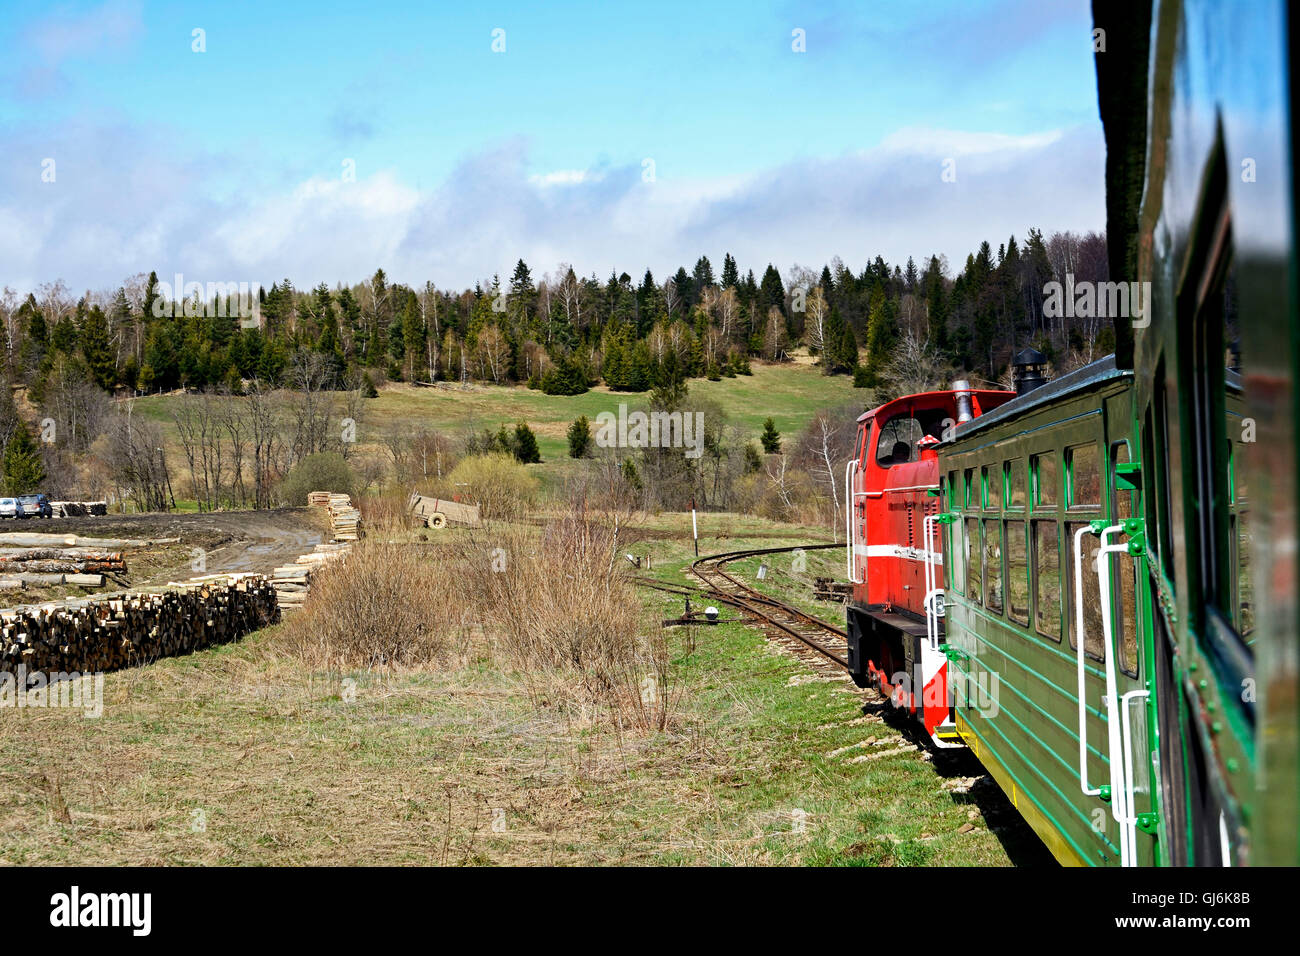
(34, 506)
(8, 507)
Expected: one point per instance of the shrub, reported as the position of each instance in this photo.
(525, 445)
(501, 486)
(567, 378)
(384, 605)
(580, 437)
(579, 639)
(323, 471)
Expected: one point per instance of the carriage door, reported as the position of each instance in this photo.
(1134, 812)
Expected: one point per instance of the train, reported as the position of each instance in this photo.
(1091, 582)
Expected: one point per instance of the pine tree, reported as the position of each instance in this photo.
(730, 274)
(703, 274)
(23, 468)
(525, 445)
(98, 349)
(580, 437)
(771, 438)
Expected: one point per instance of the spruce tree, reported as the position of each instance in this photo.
(525, 443)
(580, 437)
(23, 469)
(98, 348)
(771, 438)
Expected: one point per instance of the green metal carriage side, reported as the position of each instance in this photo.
(1018, 484)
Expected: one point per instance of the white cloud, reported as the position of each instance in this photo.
(125, 201)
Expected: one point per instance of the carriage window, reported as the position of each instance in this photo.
(974, 561)
(1240, 536)
(1046, 479)
(954, 496)
(1084, 471)
(969, 481)
(1015, 482)
(992, 488)
(1047, 580)
(993, 565)
(1017, 573)
(1123, 499)
(1092, 628)
(958, 552)
(1125, 570)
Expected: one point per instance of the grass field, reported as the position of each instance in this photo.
(789, 393)
(240, 755)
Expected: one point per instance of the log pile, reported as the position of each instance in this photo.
(41, 564)
(345, 520)
(292, 582)
(123, 630)
(78, 509)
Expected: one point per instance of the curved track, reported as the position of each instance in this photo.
(826, 639)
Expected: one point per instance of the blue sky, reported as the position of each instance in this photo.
(230, 160)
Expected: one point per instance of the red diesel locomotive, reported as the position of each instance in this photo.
(894, 557)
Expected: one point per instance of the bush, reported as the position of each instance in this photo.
(384, 605)
(567, 378)
(501, 486)
(525, 445)
(324, 471)
(580, 438)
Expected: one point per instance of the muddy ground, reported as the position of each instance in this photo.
(209, 544)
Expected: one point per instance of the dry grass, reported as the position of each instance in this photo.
(386, 605)
(550, 604)
(580, 633)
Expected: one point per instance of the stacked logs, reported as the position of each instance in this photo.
(79, 565)
(345, 520)
(78, 509)
(128, 629)
(292, 582)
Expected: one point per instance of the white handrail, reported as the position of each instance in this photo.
(1130, 818)
(1118, 784)
(1088, 790)
(933, 592)
(849, 468)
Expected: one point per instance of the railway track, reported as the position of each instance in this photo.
(826, 639)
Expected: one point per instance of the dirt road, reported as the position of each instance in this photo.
(209, 543)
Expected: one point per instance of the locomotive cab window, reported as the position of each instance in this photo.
(898, 443)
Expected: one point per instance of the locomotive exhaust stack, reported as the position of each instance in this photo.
(964, 412)
(1029, 370)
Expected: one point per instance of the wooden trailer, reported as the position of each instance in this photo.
(438, 512)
